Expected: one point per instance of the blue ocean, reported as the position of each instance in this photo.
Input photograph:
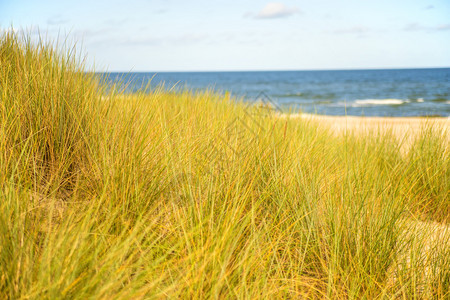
(393, 92)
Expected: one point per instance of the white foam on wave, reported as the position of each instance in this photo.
(370, 102)
(420, 100)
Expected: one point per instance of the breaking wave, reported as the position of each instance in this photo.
(372, 102)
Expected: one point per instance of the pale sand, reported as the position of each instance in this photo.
(405, 129)
(343, 123)
(432, 241)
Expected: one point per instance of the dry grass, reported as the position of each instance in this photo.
(194, 195)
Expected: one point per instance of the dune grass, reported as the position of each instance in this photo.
(164, 194)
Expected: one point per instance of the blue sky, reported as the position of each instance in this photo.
(198, 35)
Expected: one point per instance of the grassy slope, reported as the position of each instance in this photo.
(187, 195)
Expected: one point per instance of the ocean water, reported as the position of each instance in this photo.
(393, 92)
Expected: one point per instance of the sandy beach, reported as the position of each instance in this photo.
(401, 127)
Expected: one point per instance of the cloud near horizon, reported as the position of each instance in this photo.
(276, 10)
(183, 39)
(57, 20)
(353, 30)
(420, 27)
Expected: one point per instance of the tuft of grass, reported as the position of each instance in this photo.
(49, 111)
(163, 194)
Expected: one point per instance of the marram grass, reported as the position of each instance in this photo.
(195, 195)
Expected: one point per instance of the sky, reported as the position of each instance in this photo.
(219, 35)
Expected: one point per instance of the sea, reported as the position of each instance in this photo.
(390, 92)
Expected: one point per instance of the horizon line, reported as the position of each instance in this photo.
(269, 70)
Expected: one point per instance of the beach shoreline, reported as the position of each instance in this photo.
(398, 125)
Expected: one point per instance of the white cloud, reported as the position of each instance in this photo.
(57, 20)
(414, 27)
(183, 40)
(420, 27)
(443, 27)
(353, 30)
(276, 10)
